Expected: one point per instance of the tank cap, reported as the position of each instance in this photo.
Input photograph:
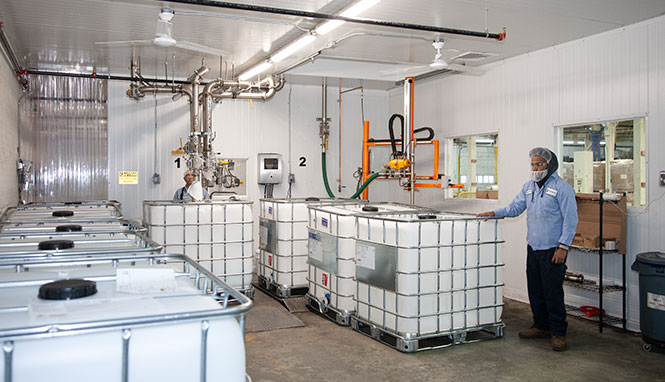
(67, 289)
(69, 228)
(312, 199)
(62, 214)
(370, 209)
(426, 217)
(68, 203)
(51, 245)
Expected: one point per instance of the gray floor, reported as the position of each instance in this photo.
(324, 351)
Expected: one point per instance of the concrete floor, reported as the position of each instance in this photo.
(324, 351)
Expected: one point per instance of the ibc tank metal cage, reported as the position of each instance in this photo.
(16, 247)
(56, 211)
(282, 262)
(331, 250)
(428, 280)
(136, 337)
(72, 225)
(217, 234)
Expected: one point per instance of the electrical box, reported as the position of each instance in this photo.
(270, 168)
(583, 171)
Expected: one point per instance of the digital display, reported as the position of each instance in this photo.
(271, 163)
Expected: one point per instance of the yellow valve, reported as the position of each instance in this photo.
(399, 163)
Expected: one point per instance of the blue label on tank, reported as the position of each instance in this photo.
(313, 236)
(270, 210)
(324, 222)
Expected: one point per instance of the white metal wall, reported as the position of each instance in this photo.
(620, 73)
(10, 91)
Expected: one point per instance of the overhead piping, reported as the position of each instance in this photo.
(11, 55)
(325, 16)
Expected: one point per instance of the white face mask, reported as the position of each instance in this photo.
(537, 176)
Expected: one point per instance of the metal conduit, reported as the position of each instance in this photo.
(325, 16)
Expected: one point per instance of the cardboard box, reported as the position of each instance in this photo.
(578, 240)
(487, 194)
(614, 220)
(591, 241)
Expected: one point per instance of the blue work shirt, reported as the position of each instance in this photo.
(551, 212)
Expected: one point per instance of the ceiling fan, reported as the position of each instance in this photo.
(164, 38)
(439, 63)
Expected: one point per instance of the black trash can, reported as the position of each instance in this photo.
(651, 266)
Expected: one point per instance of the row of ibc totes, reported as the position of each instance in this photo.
(216, 234)
(87, 296)
(412, 279)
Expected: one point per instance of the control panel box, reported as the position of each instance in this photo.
(270, 168)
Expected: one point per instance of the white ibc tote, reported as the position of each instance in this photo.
(55, 245)
(426, 275)
(282, 263)
(62, 211)
(215, 234)
(71, 225)
(332, 252)
(143, 323)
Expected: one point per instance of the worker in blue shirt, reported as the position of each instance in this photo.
(551, 226)
(183, 192)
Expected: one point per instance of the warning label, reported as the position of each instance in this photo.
(128, 177)
(655, 301)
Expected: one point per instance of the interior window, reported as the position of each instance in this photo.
(474, 162)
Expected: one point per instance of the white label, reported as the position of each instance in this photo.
(529, 192)
(365, 256)
(551, 191)
(263, 235)
(623, 176)
(315, 250)
(143, 280)
(656, 301)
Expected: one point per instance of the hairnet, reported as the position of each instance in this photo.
(541, 152)
(550, 157)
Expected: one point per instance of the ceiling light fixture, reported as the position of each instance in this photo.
(258, 69)
(292, 48)
(352, 11)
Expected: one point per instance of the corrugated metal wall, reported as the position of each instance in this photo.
(64, 133)
(285, 124)
(9, 96)
(613, 75)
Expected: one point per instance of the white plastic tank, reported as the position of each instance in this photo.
(14, 247)
(332, 252)
(139, 321)
(218, 235)
(424, 274)
(71, 225)
(62, 211)
(282, 262)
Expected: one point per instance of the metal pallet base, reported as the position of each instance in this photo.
(436, 341)
(340, 318)
(249, 291)
(280, 291)
(651, 344)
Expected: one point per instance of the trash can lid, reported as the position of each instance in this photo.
(651, 258)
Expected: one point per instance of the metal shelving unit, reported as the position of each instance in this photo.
(599, 287)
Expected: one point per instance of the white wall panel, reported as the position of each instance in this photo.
(612, 75)
(10, 91)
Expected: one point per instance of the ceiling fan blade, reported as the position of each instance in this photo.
(200, 48)
(390, 72)
(125, 43)
(466, 69)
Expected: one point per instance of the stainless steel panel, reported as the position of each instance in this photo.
(322, 251)
(268, 235)
(376, 264)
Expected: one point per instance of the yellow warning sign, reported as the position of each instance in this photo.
(128, 177)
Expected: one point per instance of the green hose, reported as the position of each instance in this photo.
(325, 175)
(360, 190)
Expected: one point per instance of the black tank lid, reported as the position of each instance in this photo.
(69, 228)
(312, 199)
(426, 217)
(68, 203)
(62, 213)
(50, 245)
(67, 289)
(370, 209)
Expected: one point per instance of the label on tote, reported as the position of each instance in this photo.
(128, 177)
(656, 301)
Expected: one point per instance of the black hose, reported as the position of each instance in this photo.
(396, 154)
(431, 133)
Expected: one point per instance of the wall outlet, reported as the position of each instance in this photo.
(662, 178)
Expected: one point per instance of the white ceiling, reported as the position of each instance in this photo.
(61, 34)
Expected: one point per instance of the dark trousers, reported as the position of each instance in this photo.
(545, 285)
